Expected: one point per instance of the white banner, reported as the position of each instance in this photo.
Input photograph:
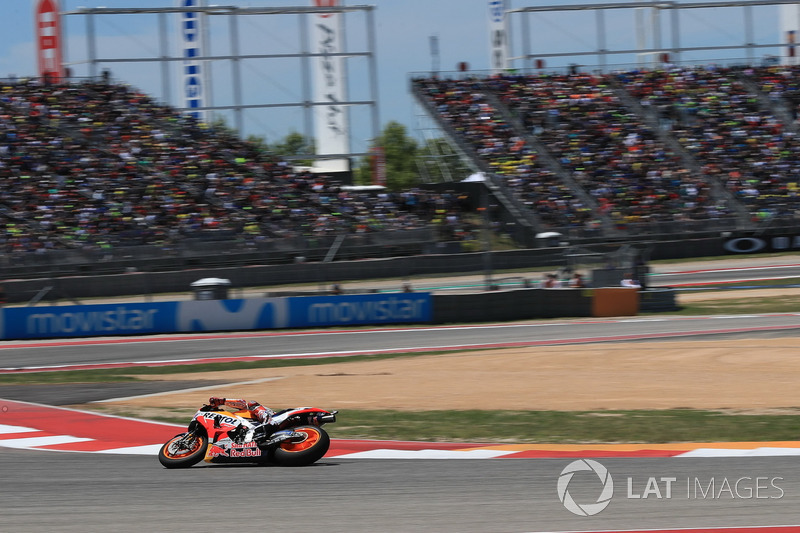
(498, 36)
(331, 124)
(191, 69)
(789, 28)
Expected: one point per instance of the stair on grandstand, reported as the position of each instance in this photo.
(529, 223)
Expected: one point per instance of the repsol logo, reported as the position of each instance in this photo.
(749, 245)
(113, 320)
(222, 418)
(390, 309)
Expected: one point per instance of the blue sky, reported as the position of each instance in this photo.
(403, 31)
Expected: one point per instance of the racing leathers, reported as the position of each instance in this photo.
(263, 414)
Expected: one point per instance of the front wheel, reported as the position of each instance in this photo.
(183, 451)
(309, 448)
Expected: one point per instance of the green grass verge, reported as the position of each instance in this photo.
(745, 304)
(678, 425)
(737, 306)
(639, 426)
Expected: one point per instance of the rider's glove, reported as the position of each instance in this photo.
(264, 414)
(216, 402)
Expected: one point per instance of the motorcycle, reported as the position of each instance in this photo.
(219, 436)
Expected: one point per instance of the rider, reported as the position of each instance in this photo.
(263, 414)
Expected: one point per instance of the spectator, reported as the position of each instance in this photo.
(629, 281)
(96, 165)
(577, 281)
(551, 281)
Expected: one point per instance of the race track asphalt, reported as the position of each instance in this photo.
(48, 491)
(66, 492)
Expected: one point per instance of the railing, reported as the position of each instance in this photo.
(214, 249)
(211, 252)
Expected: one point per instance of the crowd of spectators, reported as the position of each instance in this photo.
(781, 83)
(716, 115)
(102, 165)
(631, 174)
(463, 105)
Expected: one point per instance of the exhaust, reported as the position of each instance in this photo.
(329, 418)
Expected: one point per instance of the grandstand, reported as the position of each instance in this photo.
(97, 176)
(99, 172)
(96, 171)
(661, 152)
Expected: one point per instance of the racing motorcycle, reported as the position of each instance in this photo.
(220, 436)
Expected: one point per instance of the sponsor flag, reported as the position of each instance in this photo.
(48, 39)
(331, 123)
(788, 17)
(191, 69)
(498, 36)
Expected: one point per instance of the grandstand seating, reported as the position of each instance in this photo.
(96, 166)
(462, 105)
(717, 117)
(620, 161)
(690, 146)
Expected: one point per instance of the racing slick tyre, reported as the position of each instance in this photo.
(303, 451)
(183, 451)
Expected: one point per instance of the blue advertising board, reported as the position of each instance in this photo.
(87, 320)
(313, 311)
(213, 315)
(232, 315)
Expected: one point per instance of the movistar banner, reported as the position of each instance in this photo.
(213, 315)
(312, 311)
(87, 320)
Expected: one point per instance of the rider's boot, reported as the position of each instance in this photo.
(263, 431)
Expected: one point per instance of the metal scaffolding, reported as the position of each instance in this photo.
(654, 22)
(96, 61)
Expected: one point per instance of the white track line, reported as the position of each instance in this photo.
(149, 449)
(756, 452)
(35, 442)
(424, 454)
(724, 528)
(4, 429)
(193, 389)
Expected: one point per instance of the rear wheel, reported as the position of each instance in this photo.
(308, 448)
(183, 451)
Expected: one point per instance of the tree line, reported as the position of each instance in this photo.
(408, 163)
